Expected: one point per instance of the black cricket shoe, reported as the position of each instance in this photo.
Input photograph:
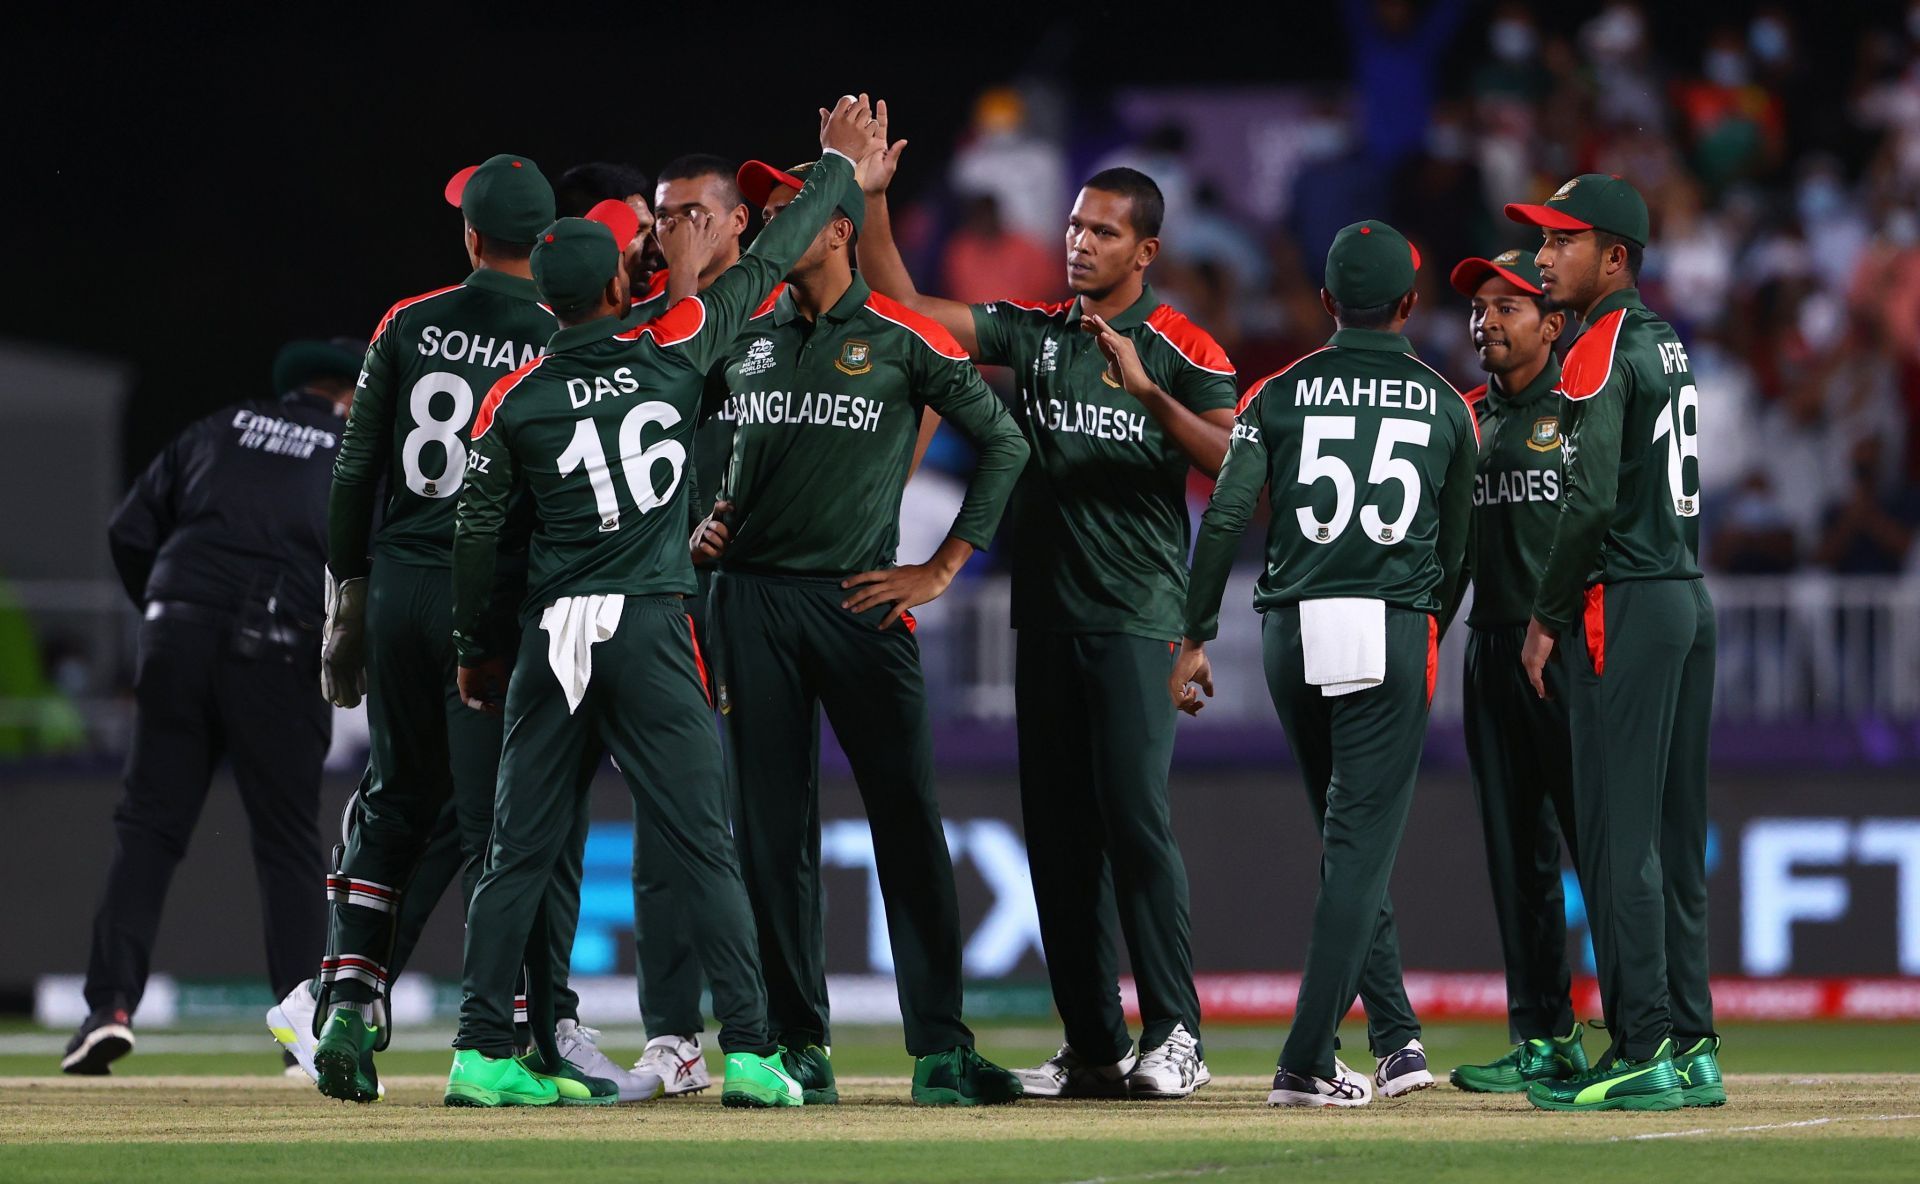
(102, 1040)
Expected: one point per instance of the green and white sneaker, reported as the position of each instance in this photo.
(480, 1080)
(1527, 1062)
(1651, 1084)
(758, 1082)
(343, 1057)
(574, 1087)
(812, 1067)
(1699, 1070)
(962, 1077)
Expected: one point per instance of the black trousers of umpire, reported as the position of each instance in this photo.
(1520, 752)
(199, 702)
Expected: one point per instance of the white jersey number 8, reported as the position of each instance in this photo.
(444, 432)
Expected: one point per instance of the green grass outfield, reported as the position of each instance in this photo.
(1809, 1102)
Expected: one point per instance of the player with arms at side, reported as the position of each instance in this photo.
(1367, 455)
(612, 663)
(826, 390)
(1622, 600)
(389, 623)
(1120, 397)
(1517, 743)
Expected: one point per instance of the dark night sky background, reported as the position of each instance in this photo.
(197, 187)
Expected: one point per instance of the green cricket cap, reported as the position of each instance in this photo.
(1591, 201)
(1515, 267)
(575, 257)
(757, 180)
(300, 362)
(505, 197)
(1370, 264)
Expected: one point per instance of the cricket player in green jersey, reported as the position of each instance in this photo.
(1120, 397)
(1622, 590)
(389, 631)
(826, 388)
(611, 663)
(1368, 457)
(1518, 746)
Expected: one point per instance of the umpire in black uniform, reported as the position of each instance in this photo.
(222, 544)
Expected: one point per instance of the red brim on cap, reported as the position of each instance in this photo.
(1544, 216)
(618, 217)
(1469, 274)
(757, 180)
(457, 185)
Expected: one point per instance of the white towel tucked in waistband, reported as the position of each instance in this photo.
(575, 624)
(1343, 643)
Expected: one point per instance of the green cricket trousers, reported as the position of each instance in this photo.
(1520, 754)
(1639, 673)
(785, 650)
(1359, 754)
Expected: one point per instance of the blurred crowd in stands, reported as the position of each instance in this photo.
(1786, 244)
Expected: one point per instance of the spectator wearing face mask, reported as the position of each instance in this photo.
(1736, 127)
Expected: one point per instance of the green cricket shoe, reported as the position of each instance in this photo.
(812, 1068)
(757, 1082)
(1651, 1084)
(1528, 1061)
(1699, 1070)
(343, 1056)
(962, 1077)
(575, 1088)
(480, 1080)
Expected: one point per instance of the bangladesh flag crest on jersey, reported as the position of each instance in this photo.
(1546, 434)
(856, 357)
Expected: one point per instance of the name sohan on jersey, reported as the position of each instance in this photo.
(458, 345)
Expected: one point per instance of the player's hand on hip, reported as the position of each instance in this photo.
(689, 241)
(849, 128)
(484, 687)
(1535, 653)
(343, 642)
(711, 537)
(1123, 361)
(1192, 674)
(875, 170)
(907, 587)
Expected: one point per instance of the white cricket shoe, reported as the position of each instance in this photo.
(580, 1047)
(677, 1062)
(1066, 1075)
(1403, 1071)
(1173, 1070)
(1344, 1088)
(291, 1022)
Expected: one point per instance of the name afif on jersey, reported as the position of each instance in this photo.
(475, 350)
(281, 437)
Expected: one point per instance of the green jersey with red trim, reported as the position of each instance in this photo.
(1631, 422)
(1368, 457)
(1098, 524)
(597, 432)
(1516, 496)
(432, 359)
(825, 415)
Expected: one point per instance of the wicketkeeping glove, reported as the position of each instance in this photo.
(343, 648)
